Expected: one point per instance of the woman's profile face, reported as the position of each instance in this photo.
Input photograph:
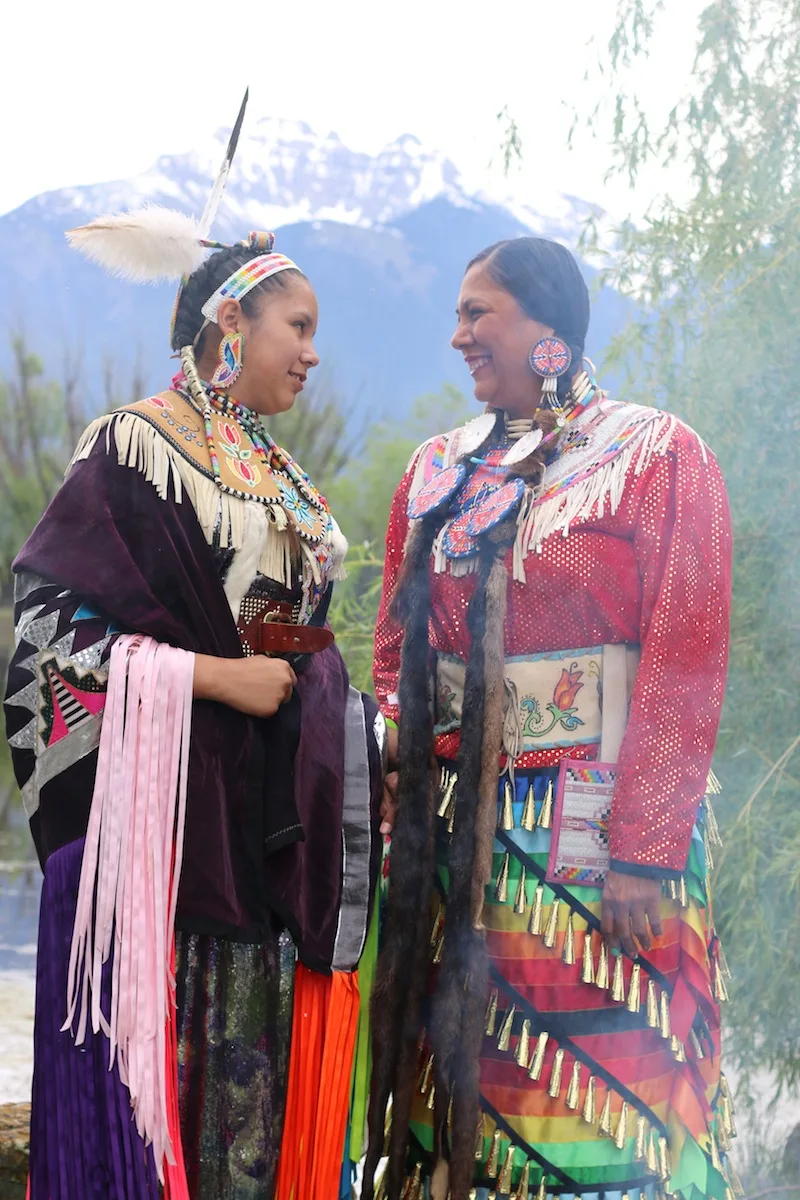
(495, 336)
(278, 345)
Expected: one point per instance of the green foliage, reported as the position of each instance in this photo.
(719, 279)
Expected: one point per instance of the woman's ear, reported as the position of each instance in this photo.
(229, 315)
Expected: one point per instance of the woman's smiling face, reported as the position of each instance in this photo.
(496, 336)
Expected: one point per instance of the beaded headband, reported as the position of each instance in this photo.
(244, 279)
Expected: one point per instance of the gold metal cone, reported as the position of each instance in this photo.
(635, 989)
(641, 1139)
(625, 1196)
(589, 1114)
(438, 949)
(448, 783)
(535, 923)
(716, 1161)
(722, 1137)
(652, 1005)
(429, 1103)
(504, 1036)
(552, 925)
(683, 893)
(425, 1081)
(546, 811)
(437, 921)
(618, 984)
(663, 1159)
(555, 1075)
(605, 1118)
(666, 1032)
(494, 1155)
(491, 1014)
(523, 1050)
(696, 1045)
(521, 898)
(709, 856)
(720, 990)
(524, 1185)
(504, 1182)
(414, 1185)
(621, 1136)
(587, 970)
(723, 962)
(451, 815)
(678, 1052)
(601, 979)
(673, 889)
(528, 820)
(651, 1157)
(568, 953)
(537, 1060)
(713, 785)
(542, 1192)
(479, 1143)
(507, 815)
(573, 1096)
(501, 886)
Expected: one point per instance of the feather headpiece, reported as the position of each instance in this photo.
(145, 246)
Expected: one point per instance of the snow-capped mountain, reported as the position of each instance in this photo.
(384, 239)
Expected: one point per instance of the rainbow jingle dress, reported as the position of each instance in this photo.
(599, 1075)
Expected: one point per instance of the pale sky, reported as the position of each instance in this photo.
(92, 91)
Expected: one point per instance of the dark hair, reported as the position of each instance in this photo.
(202, 284)
(546, 281)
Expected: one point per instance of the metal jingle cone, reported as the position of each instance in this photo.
(552, 925)
(716, 1161)
(601, 979)
(587, 970)
(504, 1181)
(429, 1103)
(415, 1189)
(537, 1060)
(451, 813)
(554, 1088)
(438, 949)
(604, 1128)
(568, 953)
(447, 794)
(546, 811)
(528, 820)
(666, 1032)
(507, 814)
(621, 1136)
(723, 1140)
(678, 1052)
(651, 1156)
(479, 1142)
(491, 1013)
(521, 898)
(589, 1113)
(535, 922)
(652, 1005)
(501, 886)
(504, 1036)
(524, 1185)
(494, 1155)
(425, 1080)
(542, 1192)
(635, 989)
(523, 1050)
(663, 1160)
(696, 1045)
(573, 1097)
(683, 893)
(720, 990)
(640, 1152)
(618, 983)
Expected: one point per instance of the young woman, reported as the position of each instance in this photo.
(201, 780)
(558, 581)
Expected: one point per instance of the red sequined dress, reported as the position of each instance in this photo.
(595, 1076)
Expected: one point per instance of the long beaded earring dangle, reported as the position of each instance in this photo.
(230, 360)
(550, 358)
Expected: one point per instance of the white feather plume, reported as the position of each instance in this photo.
(144, 246)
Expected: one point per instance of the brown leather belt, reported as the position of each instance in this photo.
(266, 627)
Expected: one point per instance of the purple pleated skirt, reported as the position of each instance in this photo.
(234, 1026)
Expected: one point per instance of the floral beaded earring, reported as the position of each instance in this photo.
(230, 361)
(550, 358)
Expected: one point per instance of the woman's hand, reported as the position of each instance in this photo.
(389, 802)
(257, 686)
(629, 903)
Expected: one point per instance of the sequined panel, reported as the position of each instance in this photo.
(234, 1030)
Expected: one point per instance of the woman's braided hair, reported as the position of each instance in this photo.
(202, 284)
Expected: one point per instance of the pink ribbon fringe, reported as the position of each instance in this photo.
(129, 876)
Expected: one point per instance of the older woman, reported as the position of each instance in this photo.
(192, 757)
(557, 579)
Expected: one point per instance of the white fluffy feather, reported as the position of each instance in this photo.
(144, 246)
